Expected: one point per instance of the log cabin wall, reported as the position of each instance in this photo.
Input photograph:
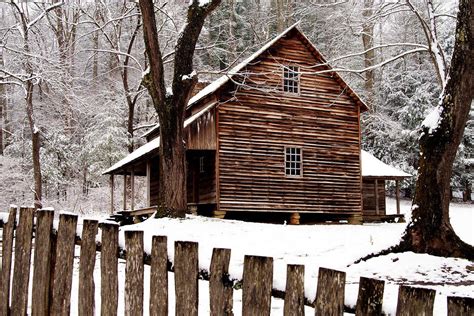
(368, 194)
(259, 120)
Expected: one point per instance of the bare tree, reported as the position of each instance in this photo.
(3, 104)
(28, 79)
(120, 60)
(430, 230)
(369, 55)
(171, 105)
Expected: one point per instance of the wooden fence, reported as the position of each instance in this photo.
(53, 272)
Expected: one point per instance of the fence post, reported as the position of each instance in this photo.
(370, 297)
(21, 269)
(86, 268)
(134, 273)
(330, 292)
(294, 292)
(220, 287)
(415, 301)
(186, 271)
(257, 285)
(108, 269)
(460, 306)
(41, 266)
(159, 277)
(62, 281)
(7, 250)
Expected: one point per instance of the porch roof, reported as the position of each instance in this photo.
(134, 156)
(375, 168)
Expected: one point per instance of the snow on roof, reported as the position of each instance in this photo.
(373, 167)
(155, 143)
(139, 152)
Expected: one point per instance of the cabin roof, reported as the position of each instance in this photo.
(221, 81)
(375, 168)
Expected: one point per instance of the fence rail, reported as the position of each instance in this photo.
(53, 272)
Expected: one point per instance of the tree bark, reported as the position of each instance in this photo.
(3, 104)
(430, 230)
(35, 145)
(369, 55)
(171, 106)
(131, 101)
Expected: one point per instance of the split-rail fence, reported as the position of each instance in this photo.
(53, 261)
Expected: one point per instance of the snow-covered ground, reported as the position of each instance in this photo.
(331, 246)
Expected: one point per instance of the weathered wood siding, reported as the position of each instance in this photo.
(368, 193)
(201, 134)
(255, 126)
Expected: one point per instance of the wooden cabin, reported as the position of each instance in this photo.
(278, 134)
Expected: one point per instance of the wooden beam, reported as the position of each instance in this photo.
(148, 183)
(397, 190)
(132, 197)
(124, 191)
(376, 192)
(112, 194)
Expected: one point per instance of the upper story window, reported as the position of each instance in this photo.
(291, 79)
(293, 161)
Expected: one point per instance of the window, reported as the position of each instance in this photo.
(291, 79)
(293, 161)
(201, 164)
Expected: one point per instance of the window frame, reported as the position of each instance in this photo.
(295, 161)
(297, 79)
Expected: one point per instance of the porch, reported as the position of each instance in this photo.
(201, 185)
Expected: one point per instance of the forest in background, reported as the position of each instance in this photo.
(70, 81)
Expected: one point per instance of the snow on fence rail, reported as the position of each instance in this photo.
(53, 272)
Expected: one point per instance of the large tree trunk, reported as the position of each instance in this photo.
(172, 167)
(430, 230)
(171, 106)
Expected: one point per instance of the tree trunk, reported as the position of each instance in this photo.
(171, 106)
(430, 230)
(3, 104)
(128, 93)
(173, 201)
(369, 55)
(35, 144)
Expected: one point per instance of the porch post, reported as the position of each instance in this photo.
(148, 183)
(376, 191)
(397, 193)
(132, 198)
(125, 191)
(111, 194)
